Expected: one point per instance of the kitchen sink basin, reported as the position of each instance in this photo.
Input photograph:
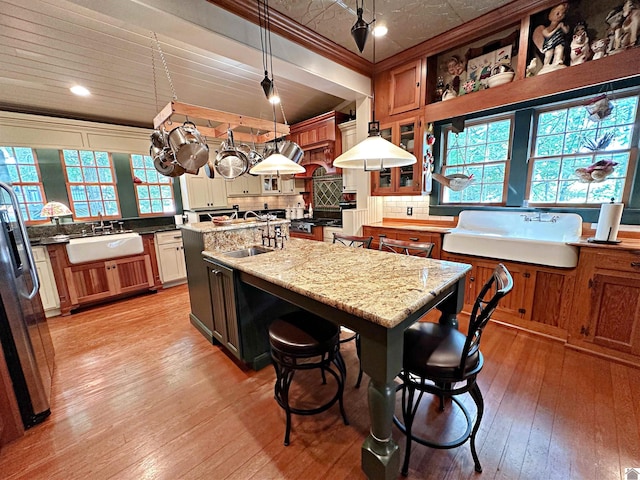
(538, 238)
(103, 247)
(248, 252)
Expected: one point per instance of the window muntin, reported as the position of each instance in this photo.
(154, 191)
(19, 167)
(91, 184)
(560, 147)
(482, 152)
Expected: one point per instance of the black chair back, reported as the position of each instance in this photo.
(419, 249)
(499, 285)
(352, 240)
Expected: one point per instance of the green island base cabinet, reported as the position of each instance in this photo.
(225, 311)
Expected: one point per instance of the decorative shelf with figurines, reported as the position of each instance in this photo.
(567, 46)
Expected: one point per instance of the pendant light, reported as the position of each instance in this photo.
(360, 29)
(374, 152)
(267, 84)
(276, 163)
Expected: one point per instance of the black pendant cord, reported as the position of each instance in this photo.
(373, 97)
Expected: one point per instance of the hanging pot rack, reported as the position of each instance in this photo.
(224, 121)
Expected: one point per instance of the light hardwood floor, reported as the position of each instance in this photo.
(139, 394)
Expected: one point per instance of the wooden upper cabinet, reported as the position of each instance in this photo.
(405, 87)
(317, 131)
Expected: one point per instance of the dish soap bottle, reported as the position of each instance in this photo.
(310, 210)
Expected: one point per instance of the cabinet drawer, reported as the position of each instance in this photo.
(620, 261)
(169, 237)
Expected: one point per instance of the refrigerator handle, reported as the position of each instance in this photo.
(25, 239)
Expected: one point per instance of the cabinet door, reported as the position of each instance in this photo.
(223, 302)
(217, 191)
(88, 282)
(382, 182)
(409, 180)
(518, 304)
(614, 320)
(48, 290)
(400, 180)
(172, 264)
(130, 274)
(195, 192)
(405, 84)
(236, 187)
(288, 187)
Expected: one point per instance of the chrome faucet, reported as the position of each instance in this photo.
(246, 214)
(540, 217)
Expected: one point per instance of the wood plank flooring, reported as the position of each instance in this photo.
(140, 394)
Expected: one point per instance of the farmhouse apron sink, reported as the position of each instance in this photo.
(102, 247)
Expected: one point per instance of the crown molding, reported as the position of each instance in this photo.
(291, 30)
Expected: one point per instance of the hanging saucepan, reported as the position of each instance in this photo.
(165, 164)
(231, 162)
(189, 148)
(159, 139)
(253, 157)
(209, 169)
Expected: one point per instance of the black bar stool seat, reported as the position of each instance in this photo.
(303, 341)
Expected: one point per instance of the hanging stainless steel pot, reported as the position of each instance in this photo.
(231, 162)
(189, 148)
(291, 150)
(159, 139)
(165, 164)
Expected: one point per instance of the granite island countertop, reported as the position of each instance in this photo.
(381, 287)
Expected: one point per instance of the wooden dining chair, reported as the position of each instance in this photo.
(355, 242)
(419, 249)
(440, 360)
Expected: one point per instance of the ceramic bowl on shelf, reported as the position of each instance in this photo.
(500, 79)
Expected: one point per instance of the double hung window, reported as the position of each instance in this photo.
(91, 184)
(154, 191)
(576, 160)
(477, 162)
(19, 167)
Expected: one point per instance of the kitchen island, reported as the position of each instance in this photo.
(376, 294)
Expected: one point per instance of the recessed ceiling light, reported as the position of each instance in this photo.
(80, 90)
(380, 31)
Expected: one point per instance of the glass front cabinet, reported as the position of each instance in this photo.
(400, 180)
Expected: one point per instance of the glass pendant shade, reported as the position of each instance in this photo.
(276, 164)
(55, 209)
(374, 153)
(360, 31)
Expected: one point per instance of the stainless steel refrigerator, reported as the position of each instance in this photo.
(24, 333)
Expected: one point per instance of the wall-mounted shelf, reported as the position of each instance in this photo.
(616, 67)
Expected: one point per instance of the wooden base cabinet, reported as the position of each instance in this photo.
(541, 298)
(606, 314)
(93, 282)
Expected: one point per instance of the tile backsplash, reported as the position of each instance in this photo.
(396, 207)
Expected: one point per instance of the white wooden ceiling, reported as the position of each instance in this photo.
(214, 59)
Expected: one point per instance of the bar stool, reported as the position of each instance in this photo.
(303, 341)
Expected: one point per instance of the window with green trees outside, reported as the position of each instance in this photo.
(578, 158)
